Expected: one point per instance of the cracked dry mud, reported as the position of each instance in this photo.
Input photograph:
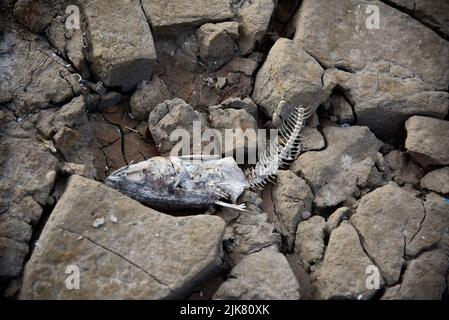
(367, 199)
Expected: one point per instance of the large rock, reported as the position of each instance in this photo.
(358, 50)
(12, 258)
(290, 74)
(239, 125)
(385, 106)
(28, 173)
(404, 84)
(72, 114)
(428, 140)
(27, 168)
(123, 250)
(430, 13)
(341, 109)
(254, 18)
(401, 169)
(292, 199)
(343, 273)
(122, 51)
(147, 96)
(309, 241)
(32, 77)
(334, 220)
(437, 180)
(433, 229)
(169, 116)
(217, 42)
(312, 140)
(424, 278)
(388, 220)
(249, 231)
(176, 14)
(236, 103)
(265, 275)
(343, 168)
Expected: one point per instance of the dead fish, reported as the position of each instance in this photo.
(196, 182)
(181, 182)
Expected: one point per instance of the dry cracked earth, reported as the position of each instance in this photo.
(368, 197)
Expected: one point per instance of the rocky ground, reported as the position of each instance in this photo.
(370, 191)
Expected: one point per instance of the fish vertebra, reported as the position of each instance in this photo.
(280, 153)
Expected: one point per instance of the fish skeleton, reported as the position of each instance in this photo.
(181, 183)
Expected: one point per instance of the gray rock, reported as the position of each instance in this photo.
(309, 242)
(292, 199)
(343, 272)
(401, 169)
(386, 106)
(167, 117)
(341, 109)
(147, 96)
(12, 258)
(79, 145)
(428, 140)
(430, 13)
(437, 180)
(247, 66)
(265, 275)
(247, 232)
(233, 78)
(405, 84)
(122, 52)
(358, 50)
(27, 169)
(217, 42)
(345, 166)
(433, 229)
(241, 124)
(172, 16)
(145, 255)
(71, 115)
(14, 229)
(291, 74)
(254, 18)
(25, 209)
(68, 141)
(237, 103)
(32, 77)
(313, 140)
(387, 220)
(55, 33)
(109, 99)
(424, 279)
(336, 218)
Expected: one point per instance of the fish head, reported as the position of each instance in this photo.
(151, 173)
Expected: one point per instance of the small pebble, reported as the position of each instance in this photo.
(98, 222)
(114, 218)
